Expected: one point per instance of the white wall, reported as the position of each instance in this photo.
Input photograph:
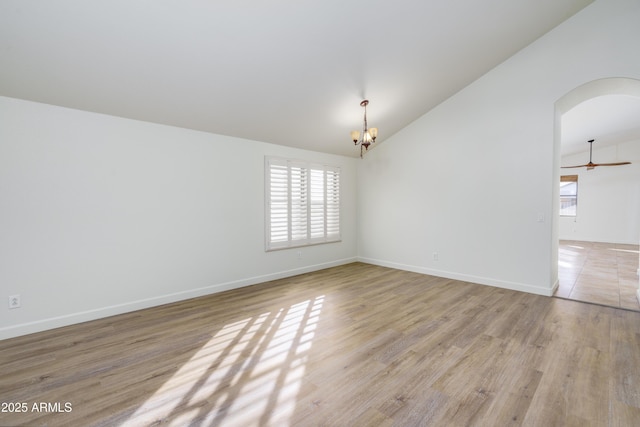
(101, 215)
(608, 197)
(473, 179)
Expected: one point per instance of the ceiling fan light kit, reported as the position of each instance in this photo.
(592, 165)
(369, 135)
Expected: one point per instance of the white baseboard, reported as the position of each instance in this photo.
(102, 312)
(532, 289)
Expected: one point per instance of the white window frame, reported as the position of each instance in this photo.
(569, 197)
(302, 203)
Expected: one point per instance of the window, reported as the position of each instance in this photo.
(568, 195)
(302, 203)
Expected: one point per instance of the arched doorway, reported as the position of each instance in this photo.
(595, 89)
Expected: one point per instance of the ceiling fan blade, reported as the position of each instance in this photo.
(612, 164)
(588, 165)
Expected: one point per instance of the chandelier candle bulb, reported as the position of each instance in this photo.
(367, 137)
(355, 136)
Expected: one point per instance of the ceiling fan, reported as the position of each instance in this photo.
(592, 165)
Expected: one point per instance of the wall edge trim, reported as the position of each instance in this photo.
(127, 307)
(514, 286)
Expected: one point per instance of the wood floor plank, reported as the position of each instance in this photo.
(513, 400)
(625, 354)
(352, 345)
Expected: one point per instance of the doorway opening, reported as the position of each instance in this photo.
(595, 253)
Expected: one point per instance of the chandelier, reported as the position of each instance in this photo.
(368, 135)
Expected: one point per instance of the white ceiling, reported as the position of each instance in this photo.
(289, 72)
(609, 120)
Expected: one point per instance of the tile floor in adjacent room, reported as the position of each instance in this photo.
(600, 273)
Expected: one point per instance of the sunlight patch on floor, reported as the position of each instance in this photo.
(565, 264)
(575, 246)
(630, 251)
(249, 373)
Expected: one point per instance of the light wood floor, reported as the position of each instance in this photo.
(600, 273)
(356, 345)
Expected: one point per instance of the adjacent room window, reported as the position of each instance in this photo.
(302, 203)
(568, 195)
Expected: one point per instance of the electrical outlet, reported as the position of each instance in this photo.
(299, 254)
(435, 256)
(14, 301)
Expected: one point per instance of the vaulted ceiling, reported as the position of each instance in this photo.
(290, 72)
(609, 120)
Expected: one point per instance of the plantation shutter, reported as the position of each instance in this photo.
(278, 200)
(316, 213)
(302, 203)
(332, 223)
(299, 202)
